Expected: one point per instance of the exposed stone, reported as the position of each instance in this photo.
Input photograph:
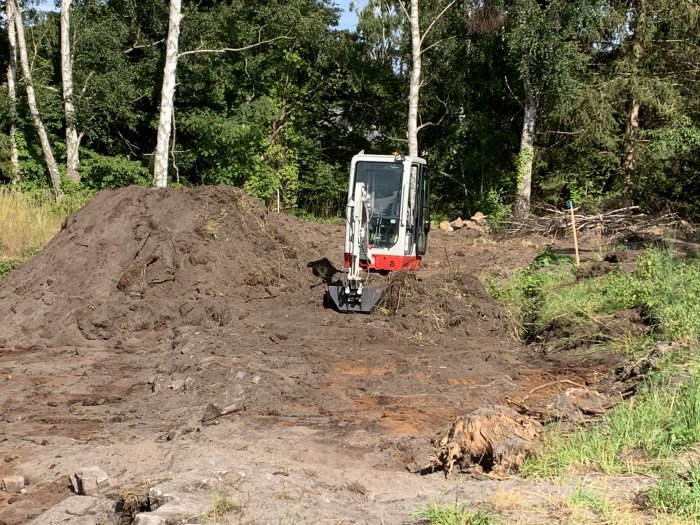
(223, 405)
(80, 510)
(172, 504)
(12, 483)
(88, 480)
(150, 519)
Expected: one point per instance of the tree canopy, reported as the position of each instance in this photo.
(272, 95)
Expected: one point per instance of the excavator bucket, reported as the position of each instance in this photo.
(352, 302)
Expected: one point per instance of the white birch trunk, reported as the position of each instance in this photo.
(415, 79)
(526, 156)
(72, 141)
(629, 158)
(160, 170)
(33, 109)
(12, 87)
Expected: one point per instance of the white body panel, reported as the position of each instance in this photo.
(406, 214)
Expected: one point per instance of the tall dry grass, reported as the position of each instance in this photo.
(28, 220)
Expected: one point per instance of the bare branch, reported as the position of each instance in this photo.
(426, 124)
(511, 92)
(432, 24)
(143, 46)
(233, 49)
(437, 43)
(403, 8)
(85, 85)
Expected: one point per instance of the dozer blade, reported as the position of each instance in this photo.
(354, 303)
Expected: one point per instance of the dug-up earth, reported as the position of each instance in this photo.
(178, 340)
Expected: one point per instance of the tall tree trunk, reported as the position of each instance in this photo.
(415, 78)
(12, 87)
(72, 141)
(160, 170)
(631, 138)
(33, 109)
(526, 155)
(629, 159)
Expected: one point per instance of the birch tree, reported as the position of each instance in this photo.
(541, 40)
(51, 165)
(165, 122)
(72, 138)
(414, 86)
(12, 87)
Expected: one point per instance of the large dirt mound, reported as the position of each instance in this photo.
(139, 262)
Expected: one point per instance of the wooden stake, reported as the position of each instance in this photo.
(573, 228)
(278, 200)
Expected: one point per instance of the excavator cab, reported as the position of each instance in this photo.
(387, 224)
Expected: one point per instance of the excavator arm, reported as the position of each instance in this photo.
(351, 295)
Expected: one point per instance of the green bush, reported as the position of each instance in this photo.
(100, 171)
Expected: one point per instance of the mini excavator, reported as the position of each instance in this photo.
(386, 227)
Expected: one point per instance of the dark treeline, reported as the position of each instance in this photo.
(596, 100)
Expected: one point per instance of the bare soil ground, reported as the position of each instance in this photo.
(151, 311)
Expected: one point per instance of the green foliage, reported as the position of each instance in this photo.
(291, 112)
(101, 171)
(7, 265)
(455, 514)
(548, 257)
(662, 287)
(667, 290)
(678, 495)
(491, 204)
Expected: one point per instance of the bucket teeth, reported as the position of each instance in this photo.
(345, 300)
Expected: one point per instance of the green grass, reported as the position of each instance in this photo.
(633, 437)
(7, 265)
(664, 289)
(678, 495)
(647, 433)
(581, 498)
(455, 514)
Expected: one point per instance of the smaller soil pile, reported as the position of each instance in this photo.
(456, 303)
(137, 262)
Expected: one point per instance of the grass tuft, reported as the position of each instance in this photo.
(456, 514)
(678, 495)
(221, 506)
